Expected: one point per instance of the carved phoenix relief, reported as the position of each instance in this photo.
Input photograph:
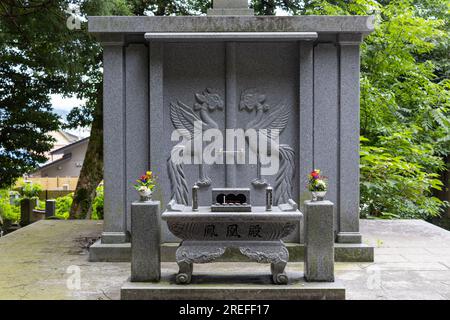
(267, 117)
(184, 118)
(270, 119)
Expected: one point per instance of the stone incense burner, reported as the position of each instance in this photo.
(257, 233)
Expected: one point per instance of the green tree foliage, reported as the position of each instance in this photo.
(405, 111)
(396, 185)
(30, 190)
(39, 56)
(405, 101)
(8, 211)
(168, 7)
(62, 206)
(270, 7)
(97, 204)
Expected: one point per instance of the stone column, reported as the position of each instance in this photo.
(306, 121)
(145, 241)
(326, 120)
(230, 115)
(26, 211)
(319, 241)
(114, 228)
(349, 68)
(137, 121)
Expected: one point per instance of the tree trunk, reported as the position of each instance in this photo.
(92, 171)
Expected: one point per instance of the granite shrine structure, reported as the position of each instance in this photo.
(231, 70)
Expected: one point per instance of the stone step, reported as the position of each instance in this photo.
(343, 252)
(233, 286)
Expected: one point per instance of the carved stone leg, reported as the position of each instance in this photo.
(278, 274)
(274, 253)
(190, 252)
(185, 272)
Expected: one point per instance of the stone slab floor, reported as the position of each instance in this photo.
(41, 261)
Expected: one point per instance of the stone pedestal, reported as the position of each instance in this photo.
(50, 208)
(145, 241)
(273, 252)
(319, 241)
(256, 234)
(26, 211)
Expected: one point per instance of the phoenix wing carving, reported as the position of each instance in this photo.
(183, 119)
(276, 119)
(271, 119)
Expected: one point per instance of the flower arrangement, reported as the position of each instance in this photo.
(317, 184)
(145, 185)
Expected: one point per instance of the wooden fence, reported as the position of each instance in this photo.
(56, 183)
(54, 187)
(53, 194)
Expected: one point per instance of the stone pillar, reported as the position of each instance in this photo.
(306, 129)
(231, 116)
(319, 241)
(26, 211)
(348, 228)
(145, 241)
(326, 120)
(137, 120)
(50, 208)
(230, 8)
(114, 228)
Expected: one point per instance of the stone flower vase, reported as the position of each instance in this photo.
(318, 195)
(145, 194)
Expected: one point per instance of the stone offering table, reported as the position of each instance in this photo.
(207, 234)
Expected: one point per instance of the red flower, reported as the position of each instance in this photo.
(314, 174)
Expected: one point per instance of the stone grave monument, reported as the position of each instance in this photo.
(297, 76)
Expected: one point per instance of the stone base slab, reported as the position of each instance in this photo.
(236, 286)
(349, 237)
(114, 237)
(343, 252)
(353, 252)
(110, 252)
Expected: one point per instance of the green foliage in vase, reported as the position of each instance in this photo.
(316, 182)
